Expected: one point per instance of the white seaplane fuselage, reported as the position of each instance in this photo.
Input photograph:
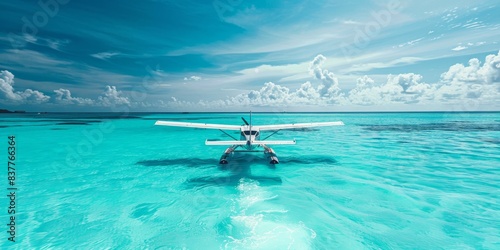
(250, 136)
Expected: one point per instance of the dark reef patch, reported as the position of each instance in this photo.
(72, 123)
(447, 126)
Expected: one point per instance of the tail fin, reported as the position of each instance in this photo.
(250, 120)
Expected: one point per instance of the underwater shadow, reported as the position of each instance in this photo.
(311, 159)
(188, 162)
(238, 168)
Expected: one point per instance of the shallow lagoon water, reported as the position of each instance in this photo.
(382, 181)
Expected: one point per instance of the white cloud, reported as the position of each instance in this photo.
(468, 45)
(476, 81)
(112, 97)
(63, 96)
(6, 82)
(272, 94)
(105, 55)
(364, 93)
(33, 96)
(192, 78)
(459, 47)
(488, 73)
(26, 96)
(329, 87)
(472, 81)
(402, 88)
(306, 93)
(109, 98)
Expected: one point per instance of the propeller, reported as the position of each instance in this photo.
(245, 121)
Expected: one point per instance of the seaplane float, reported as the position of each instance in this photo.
(250, 136)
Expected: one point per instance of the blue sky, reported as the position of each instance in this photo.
(237, 55)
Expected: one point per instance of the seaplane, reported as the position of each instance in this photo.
(250, 136)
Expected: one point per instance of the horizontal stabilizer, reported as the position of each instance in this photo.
(197, 125)
(221, 143)
(275, 142)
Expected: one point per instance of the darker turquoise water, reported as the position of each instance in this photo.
(382, 181)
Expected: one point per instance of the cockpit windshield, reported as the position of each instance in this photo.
(254, 132)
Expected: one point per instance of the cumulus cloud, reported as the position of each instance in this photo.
(272, 94)
(26, 96)
(109, 98)
(478, 81)
(402, 88)
(365, 92)
(329, 87)
(33, 96)
(306, 93)
(63, 96)
(112, 97)
(474, 81)
(269, 94)
(6, 82)
(487, 73)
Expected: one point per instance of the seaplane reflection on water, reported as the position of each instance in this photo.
(250, 136)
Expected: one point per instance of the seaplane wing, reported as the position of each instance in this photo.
(298, 125)
(198, 125)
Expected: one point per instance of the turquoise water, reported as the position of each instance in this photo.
(382, 181)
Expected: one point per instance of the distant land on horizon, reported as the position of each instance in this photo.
(9, 111)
